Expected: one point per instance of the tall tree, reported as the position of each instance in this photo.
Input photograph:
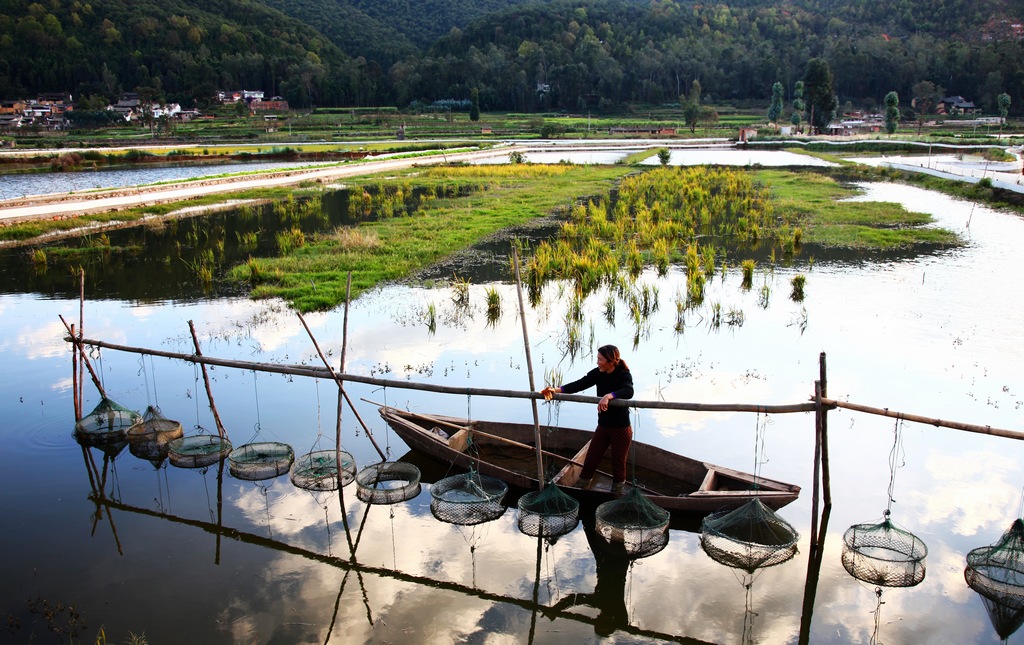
(474, 104)
(691, 106)
(821, 97)
(798, 104)
(775, 109)
(926, 96)
(1003, 102)
(892, 112)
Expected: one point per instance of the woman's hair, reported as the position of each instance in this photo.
(611, 354)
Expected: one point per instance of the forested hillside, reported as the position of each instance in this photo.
(563, 54)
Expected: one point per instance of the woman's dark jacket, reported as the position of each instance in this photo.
(619, 382)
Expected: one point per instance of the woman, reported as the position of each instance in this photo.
(613, 381)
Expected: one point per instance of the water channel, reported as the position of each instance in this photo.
(188, 556)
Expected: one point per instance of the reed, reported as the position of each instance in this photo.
(798, 281)
(493, 306)
(764, 296)
(609, 310)
(747, 266)
(715, 318)
(460, 292)
(431, 316)
(39, 258)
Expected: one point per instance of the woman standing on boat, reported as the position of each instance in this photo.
(613, 381)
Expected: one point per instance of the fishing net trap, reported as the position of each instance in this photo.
(107, 423)
(149, 438)
(198, 451)
(388, 482)
(884, 555)
(997, 571)
(318, 470)
(548, 513)
(749, 538)
(468, 499)
(635, 522)
(259, 461)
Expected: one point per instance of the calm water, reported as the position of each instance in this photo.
(46, 183)
(937, 335)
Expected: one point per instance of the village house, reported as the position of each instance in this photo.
(956, 105)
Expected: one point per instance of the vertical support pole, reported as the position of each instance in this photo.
(826, 479)
(75, 390)
(529, 369)
(341, 393)
(815, 494)
(81, 332)
(206, 381)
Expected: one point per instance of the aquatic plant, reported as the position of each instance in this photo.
(39, 257)
(798, 281)
(493, 306)
(747, 266)
(247, 240)
(460, 292)
(764, 296)
(290, 239)
(715, 319)
(431, 315)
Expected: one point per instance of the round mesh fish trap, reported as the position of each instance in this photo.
(388, 482)
(108, 422)
(548, 513)
(635, 522)
(198, 451)
(749, 538)
(318, 470)
(258, 461)
(468, 499)
(884, 555)
(149, 438)
(997, 571)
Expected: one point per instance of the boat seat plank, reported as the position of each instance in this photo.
(709, 481)
(459, 441)
(570, 473)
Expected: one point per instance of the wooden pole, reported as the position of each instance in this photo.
(826, 478)
(81, 331)
(85, 359)
(529, 370)
(75, 390)
(818, 413)
(886, 412)
(206, 381)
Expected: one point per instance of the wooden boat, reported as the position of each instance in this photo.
(506, 451)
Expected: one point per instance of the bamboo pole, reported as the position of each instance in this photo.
(75, 390)
(529, 370)
(818, 413)
(206, 381)
(341, 390)
(826, 478)
(81, 332)
(955, 425)
(85, 359)
(319, 372)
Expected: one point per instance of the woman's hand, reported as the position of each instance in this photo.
(549, 392)
(602, 405)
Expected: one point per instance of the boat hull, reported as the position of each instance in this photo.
(506, 451)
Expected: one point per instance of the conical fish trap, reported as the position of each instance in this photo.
(635, 522)
(108, 422)
(1006, 619)
(884, 555)
(548, 513)
(318, 470)
(749, 537)
(259, 461)
(198, 451)
(149, 438)
(388, 482)
(468, 499)
(997, 571)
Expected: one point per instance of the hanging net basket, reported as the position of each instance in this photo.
(388, 482)
(884, 555)
(548, 513)
(997, 571)
(749, 538)
(635, 522)
(468, 499)
(318, 470)
(149, 438)
(198, 451)
(259, 461)
(107, 423)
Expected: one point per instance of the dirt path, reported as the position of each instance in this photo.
(65, 205)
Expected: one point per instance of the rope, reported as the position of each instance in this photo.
(256, 391)
(895, 461)
(145, 377)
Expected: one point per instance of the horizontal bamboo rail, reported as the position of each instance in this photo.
(932, 421)
(320, 372)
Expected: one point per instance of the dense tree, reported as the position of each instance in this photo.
(892, 112)
(775, 108)
(798, 103)
(926, 96)
(820, 95)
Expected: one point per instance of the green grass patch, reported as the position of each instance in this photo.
(313, 277)
(813, 199)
